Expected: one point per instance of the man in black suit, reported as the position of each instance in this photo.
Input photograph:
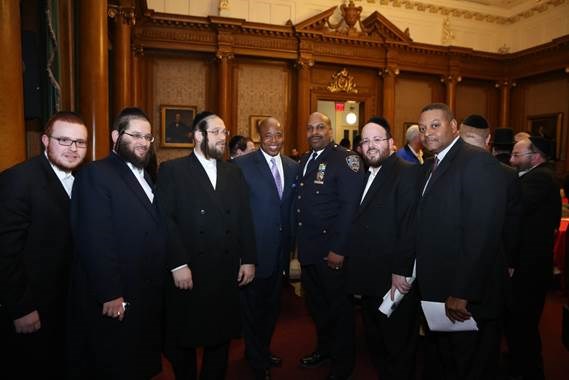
(35, 251)
(457, 246)
(330, 181)
(118, 269)
(541, 212)
(211, 251)
(386, 200)
(270, 176)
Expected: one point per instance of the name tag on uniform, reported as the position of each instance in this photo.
(320, 174)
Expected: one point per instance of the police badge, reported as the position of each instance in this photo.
(353, 162)
(320, 174)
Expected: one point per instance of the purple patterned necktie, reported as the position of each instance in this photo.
(277, 177)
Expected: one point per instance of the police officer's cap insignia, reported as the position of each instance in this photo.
(353, 162)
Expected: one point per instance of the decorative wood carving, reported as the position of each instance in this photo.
(342, 81)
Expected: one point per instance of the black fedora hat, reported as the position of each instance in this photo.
(503, 137)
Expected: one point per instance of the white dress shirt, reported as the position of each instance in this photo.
(372, 174)
(66, 178)
(440, 156)
(318, 152)
(139, 174)
(279, 163)
(210, 167)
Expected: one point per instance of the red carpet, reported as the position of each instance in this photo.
(295, 337)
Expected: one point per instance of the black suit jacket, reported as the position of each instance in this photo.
(212, 232)
(120, 249)
(271, 215)
(327, 199)
(541, 212)
(458, 230)
(378, 227)
(35, 240)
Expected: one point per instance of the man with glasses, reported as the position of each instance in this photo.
(118, 271)
(386, 199)
(211, 251)
(36, 250)
(329, 186)
(541, 212)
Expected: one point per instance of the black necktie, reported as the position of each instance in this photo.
(311, 163)
(435, 164)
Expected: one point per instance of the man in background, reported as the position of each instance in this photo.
(36, 251)
(413, 151)
(178, 131)
(270, 177)
(240, 145)
(541, 212)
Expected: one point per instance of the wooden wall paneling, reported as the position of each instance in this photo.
(66, 47)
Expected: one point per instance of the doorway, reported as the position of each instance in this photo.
(344, 117)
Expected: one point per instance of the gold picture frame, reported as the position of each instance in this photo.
(175, 126)
(254, 121)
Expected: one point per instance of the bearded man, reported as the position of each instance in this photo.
(118, 271)
(36, 250)
(386, 200)
(211, 251)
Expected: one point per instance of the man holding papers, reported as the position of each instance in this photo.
(457, 246)
(387, 196)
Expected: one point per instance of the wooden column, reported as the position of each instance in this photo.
(137, 75)
(389, 76)
(504, 103)
(13, 130)
(122, 58)
(94, 75)
(451, 81)
(303, 105)
(223, 89)
(66, 50)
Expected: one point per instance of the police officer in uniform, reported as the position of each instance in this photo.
(330, 182)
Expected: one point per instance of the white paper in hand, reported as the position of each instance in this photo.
(387, 305)
(438, 320)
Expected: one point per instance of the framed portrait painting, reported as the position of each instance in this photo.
(549, 126)
(176, 126)
(254, 121)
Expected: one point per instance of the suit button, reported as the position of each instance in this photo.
(201, 232)
(317, 192)
(302, 184)
(324, 232)
(227, 232)
(300, 224)
(299, 197)
(202, 212)
(280, 229)
(298, 210)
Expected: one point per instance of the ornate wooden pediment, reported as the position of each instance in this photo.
(349, 24)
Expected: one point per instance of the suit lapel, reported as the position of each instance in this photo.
(197, 174)
(289, 174)
(444, 165)
(132, 183)
(384, 175)
(54, 185)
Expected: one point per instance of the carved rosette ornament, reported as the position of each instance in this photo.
(223, 5)
(304, 63)
(127, 13)
(224, 55)
(342, 81)
(138, 50)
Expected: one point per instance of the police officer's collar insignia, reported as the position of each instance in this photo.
(353, 162)
(320, 173)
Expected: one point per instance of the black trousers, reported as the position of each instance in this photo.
(259, 312)
(214, 362)
(392, 342)
(529, 289)
(332, 311)
(465, 355)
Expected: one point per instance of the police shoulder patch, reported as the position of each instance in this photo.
(353, 162)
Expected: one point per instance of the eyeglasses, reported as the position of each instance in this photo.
(375, 141)
(217, 132)
(139, 136)
(66, 141)
(521, 154)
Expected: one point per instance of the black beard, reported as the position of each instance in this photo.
(375, 163)
(128, 155)
(208, 152)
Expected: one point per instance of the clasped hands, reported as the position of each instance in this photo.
(183, 276)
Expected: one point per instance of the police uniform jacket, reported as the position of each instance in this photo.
(327, 198)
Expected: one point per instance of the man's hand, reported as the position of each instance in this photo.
(114, 308)
(246, 274)
(334, 260)
(456, 309)
(400, 283)
(183, 278)
(29, 323)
